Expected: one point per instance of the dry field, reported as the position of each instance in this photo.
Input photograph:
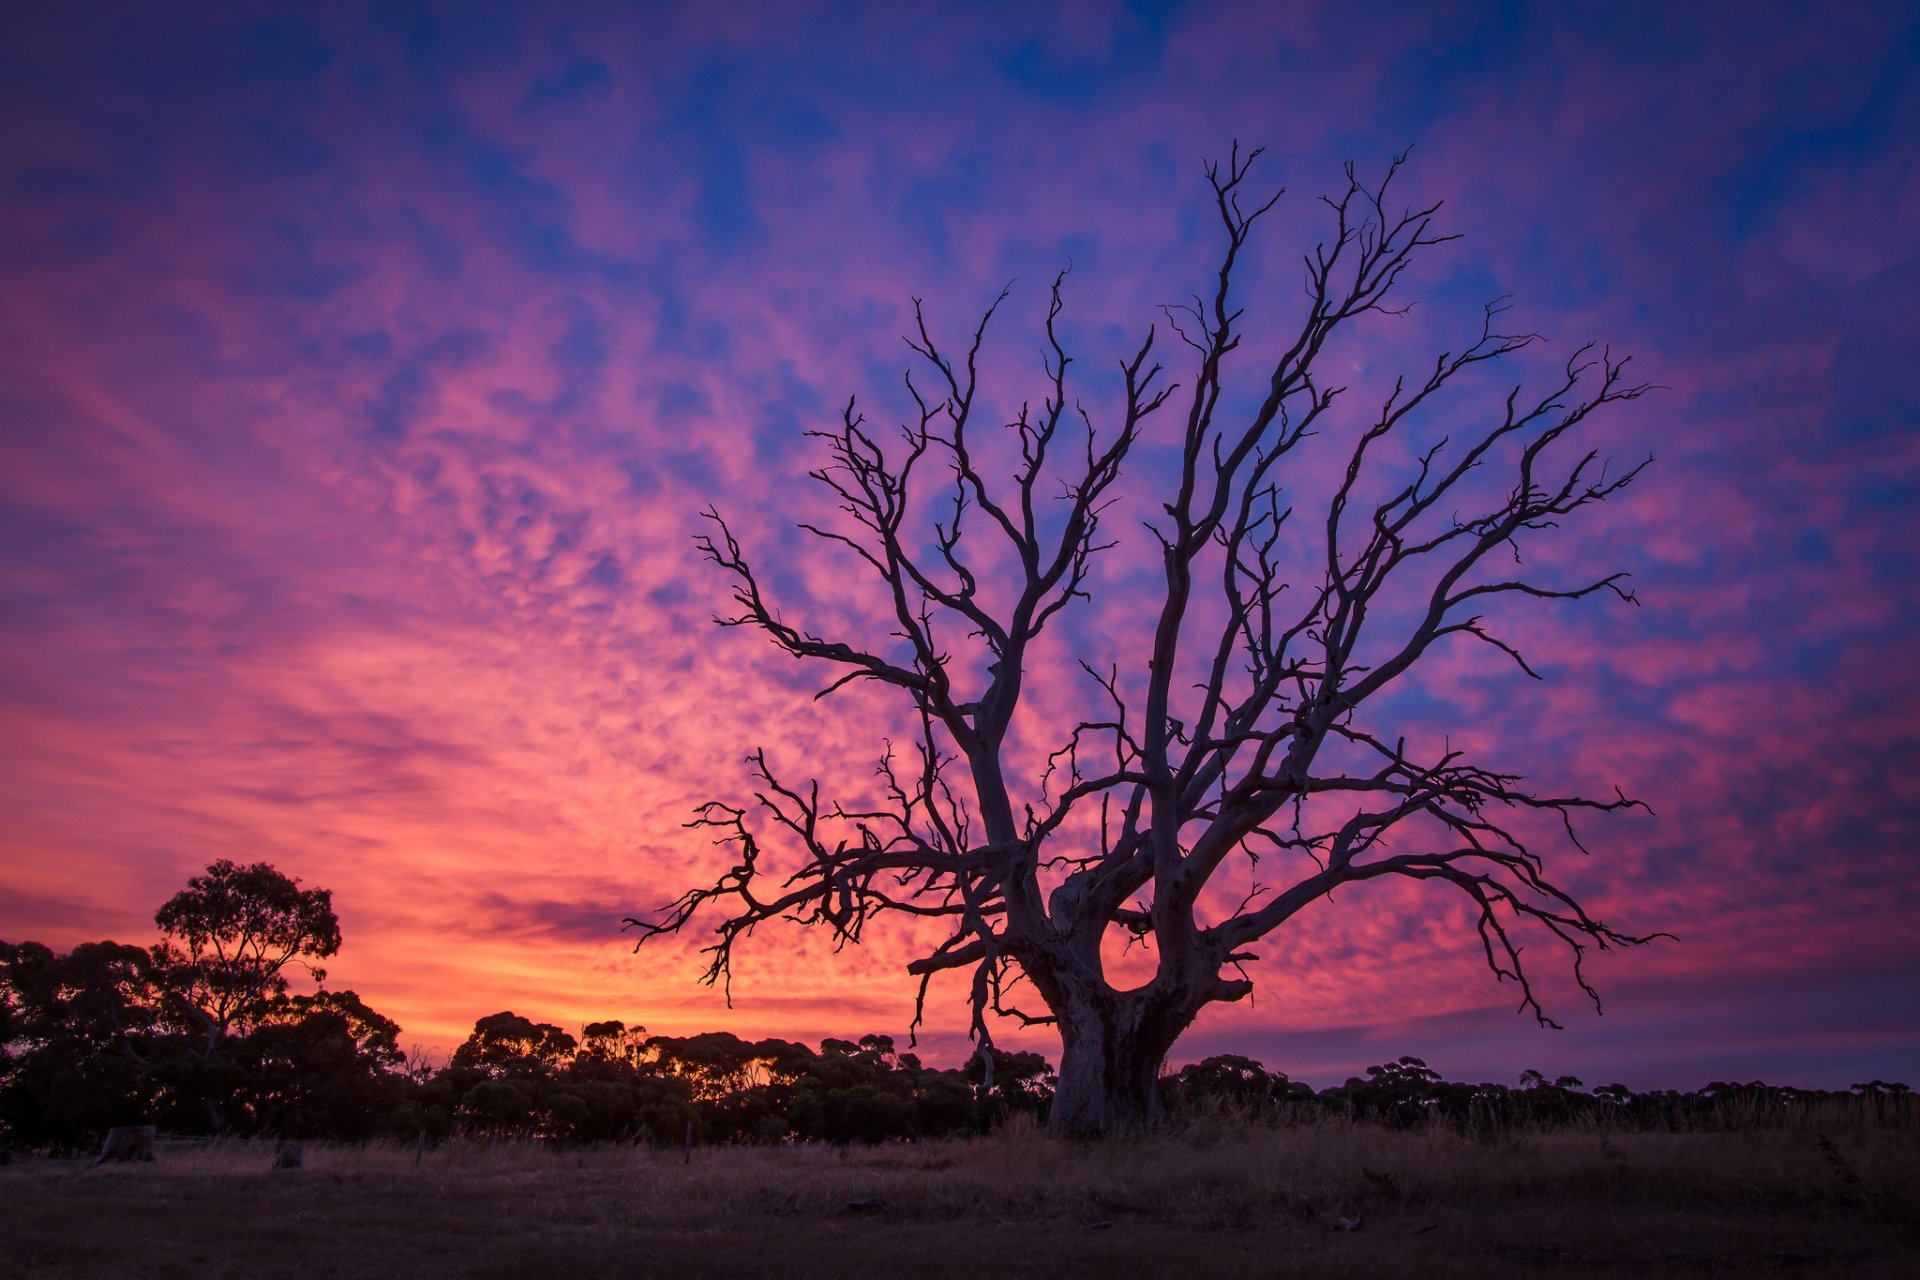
(1216, 1200)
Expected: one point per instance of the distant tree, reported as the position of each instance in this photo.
(1247, 754)
(1227, 1076)
(945, 1102)
(1397, 1093)
(666, 1107)
(321, 1066)
(842, 1099)
(97, 998)
(375, 1037)
(77, 1041)
(501, 1106)
(1232, 1080)
(506, 1044)
(1882, 1089)
(592, 1111)
(715, 1063)
(1022, 1083)
(784, 1059)
(854, 1091)
(230, 936)
(610, 1049)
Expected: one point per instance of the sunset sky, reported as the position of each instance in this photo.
(364, 370)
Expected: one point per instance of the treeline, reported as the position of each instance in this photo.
(90, 1042)
(1406, 1092)
(91, 1039)
(200, 1034)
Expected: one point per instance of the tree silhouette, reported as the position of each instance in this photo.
(321, 1066)
(374, 1036)
(1238, 771)
(231, 934)
(77, 1034)
(506, 1044)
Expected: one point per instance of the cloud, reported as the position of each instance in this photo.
(362, 379)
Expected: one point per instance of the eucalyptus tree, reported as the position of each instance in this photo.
(229, 938)
(1242, 763)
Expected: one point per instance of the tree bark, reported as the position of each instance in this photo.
(1112, 1049)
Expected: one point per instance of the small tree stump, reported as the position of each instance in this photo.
(126, 1142)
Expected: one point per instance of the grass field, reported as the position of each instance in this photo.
(1217, 1199)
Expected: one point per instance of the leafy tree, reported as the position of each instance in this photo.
(375, 1037)
(783, 1060)
(322, 1066)
(593, 1111)
(665, 1107)
(715, 1063)
(1248, 752)
(610, 1050)
(502, 1076)
(506, 1044)
(944, 1102)
(500, 1106)
(79, 1035)
(1231, 1080)
(863, 1090)
(842, 1101)
(1883, 1089)
(97, 998)
(1397, 1093)
(1021, 1083)
(230, 936)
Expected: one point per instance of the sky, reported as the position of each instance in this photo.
(364, 370)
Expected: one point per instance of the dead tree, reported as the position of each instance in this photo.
(1239, 743)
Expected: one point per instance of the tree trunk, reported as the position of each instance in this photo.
(1112, 1049)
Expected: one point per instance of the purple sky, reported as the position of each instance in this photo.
(363, 371)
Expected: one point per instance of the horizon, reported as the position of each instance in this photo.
(366, 374)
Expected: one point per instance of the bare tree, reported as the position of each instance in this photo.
(1245, 736)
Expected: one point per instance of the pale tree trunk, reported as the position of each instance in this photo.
(1113, 1048)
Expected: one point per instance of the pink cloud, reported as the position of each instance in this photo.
(350, 500)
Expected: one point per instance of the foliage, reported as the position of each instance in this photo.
(89, 1039)
(79, 1036)
(323, 1066)
(1230, 1081)
(505, 1044)
(86, 1046)
(230, 935)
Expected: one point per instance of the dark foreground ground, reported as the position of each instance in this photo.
(1216, 1201)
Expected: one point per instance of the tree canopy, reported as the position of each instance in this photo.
(231, 934)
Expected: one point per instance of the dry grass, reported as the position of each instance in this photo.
(1218, 1199)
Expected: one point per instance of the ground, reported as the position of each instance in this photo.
(1219, 1199)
